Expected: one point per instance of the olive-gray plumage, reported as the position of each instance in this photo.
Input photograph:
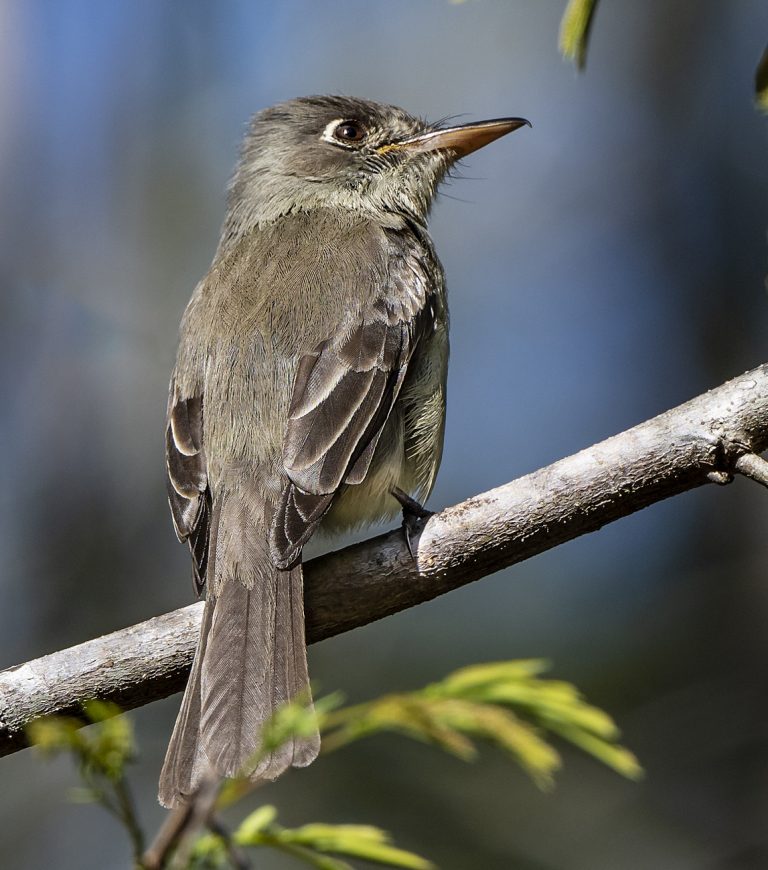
(309, 382)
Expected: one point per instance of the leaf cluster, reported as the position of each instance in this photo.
(509, 705)
(100, 753)
(318, 845)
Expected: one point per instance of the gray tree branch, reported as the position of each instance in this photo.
(707, 439)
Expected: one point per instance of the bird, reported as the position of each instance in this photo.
(308, 394)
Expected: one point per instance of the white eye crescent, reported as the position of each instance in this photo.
(345, 131)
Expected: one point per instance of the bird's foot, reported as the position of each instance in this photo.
(415, 517)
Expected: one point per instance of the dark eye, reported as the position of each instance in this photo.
(349, 131)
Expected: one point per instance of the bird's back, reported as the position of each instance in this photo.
(265, 303)
(277, 295)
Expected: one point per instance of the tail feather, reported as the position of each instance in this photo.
(251, 658)
(290, 679)
(184, 763)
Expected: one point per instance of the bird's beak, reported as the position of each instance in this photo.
(460, 140)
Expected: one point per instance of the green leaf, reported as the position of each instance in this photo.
(761, 83)
(209, 853)
(476, 676)
(316, 844)
(575, 29)
(411, 714)
(314, 859)
(554, 701)
(100, 752)
(256, 823)
(53, 734)
(100, 711)
(105, 747)
(355, 841)
(509, 733)
(616, 757)
(582, 716)
(110, 745)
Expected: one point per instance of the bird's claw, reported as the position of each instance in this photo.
(415, 517)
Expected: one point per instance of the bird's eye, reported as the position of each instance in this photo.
(349, 131)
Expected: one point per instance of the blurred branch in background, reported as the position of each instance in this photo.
(704, 440)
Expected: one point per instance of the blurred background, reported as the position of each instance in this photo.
(603, 266)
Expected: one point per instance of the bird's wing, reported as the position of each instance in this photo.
(187, 478)
(343, 393)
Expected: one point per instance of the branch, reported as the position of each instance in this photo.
(707, 439)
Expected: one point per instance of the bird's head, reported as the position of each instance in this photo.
(349, 153)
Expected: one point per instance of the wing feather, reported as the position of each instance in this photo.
(186, 419)
(343, 394)
(189, 496)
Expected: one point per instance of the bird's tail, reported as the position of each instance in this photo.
(250, 659)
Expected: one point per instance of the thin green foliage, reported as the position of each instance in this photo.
(101, 754)
(575, 29)
(319, 845)
(507, 704)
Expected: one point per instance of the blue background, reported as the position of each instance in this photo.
(603, 266)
